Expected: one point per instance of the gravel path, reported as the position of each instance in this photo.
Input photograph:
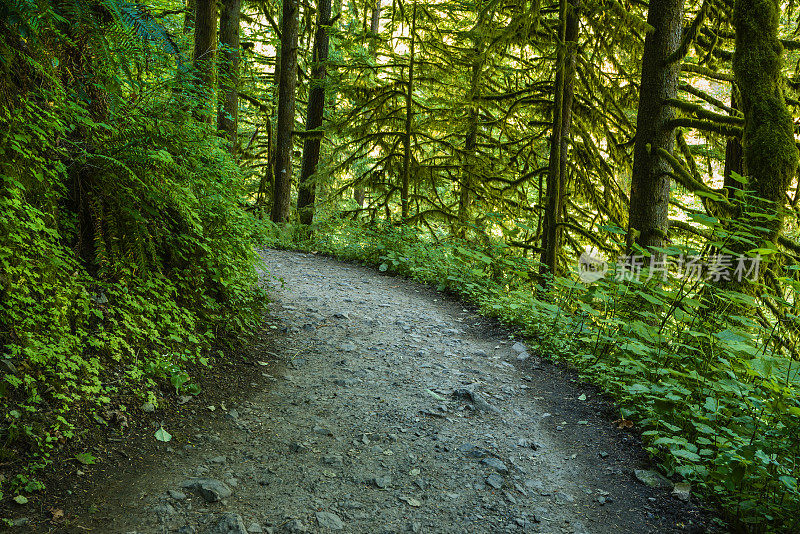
(399, 411)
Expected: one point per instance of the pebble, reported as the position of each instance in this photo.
(211, 490)
(335, 460)
(297, 447)
(329, 520)
(494, 480)
(651, 478)
(295, 526)
(471, 450)
(177, 495)
(228, 523)
(496, 464)
(382, 481)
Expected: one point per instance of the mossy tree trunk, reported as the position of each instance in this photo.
(188, 16)
(316, 107)
(770, 154)
(282, 189)
(205, 50)
(559, 141)
(228, 108)
(359, 193)
(734, 157)
(406, 176)
(648, 213)
(468, 166)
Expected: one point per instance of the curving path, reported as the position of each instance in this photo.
(397, 411)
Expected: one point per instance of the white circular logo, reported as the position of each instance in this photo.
(591, 265)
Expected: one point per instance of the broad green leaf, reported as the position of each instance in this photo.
(163, 435)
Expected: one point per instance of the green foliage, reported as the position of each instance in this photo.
(124, 253)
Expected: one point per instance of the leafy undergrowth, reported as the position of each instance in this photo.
(124, 253)
(716, 402)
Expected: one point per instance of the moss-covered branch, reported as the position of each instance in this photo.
(685, 87)
(705, 71)
(728, 130)
(702, 113)
(685, 178)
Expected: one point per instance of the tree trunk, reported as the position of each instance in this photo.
(648, 220)
(375, 23)
(188, 16)
(282, 190)
(734, 157)
(205, 47)
(359, 194)
(473, 119)
(316, 108)
(770, 154)
(406, 178)
(559, 141)
(228, 110)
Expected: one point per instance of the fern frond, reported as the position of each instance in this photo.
(139, 18)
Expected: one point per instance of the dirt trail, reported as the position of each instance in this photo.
(398, 411)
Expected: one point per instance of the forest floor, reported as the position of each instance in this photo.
(376, 405)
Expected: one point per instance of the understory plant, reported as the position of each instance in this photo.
(125, 256)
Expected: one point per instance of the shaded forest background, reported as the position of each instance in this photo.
(479, 145)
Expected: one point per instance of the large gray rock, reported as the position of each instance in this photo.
(329, 520)
(651, 478)
(295, 526)
(476, 399)
(209, 489)
(228, 523)
(494, 480)
(496, 464)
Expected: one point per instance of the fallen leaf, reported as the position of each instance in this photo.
(86, 458)
(435, 395)
(58, 514)
(163, 435)
(21, 499)
(582, 397)
(623, 423)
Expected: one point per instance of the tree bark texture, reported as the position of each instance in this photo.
(316, 107)
(648, 216)
(228, 110)
(359, 194)
(406, 177)
(770, 154)
(205, 48)
(282, 190)
(468, 170)
(734, 156)
(188, 16)
(559, 141)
